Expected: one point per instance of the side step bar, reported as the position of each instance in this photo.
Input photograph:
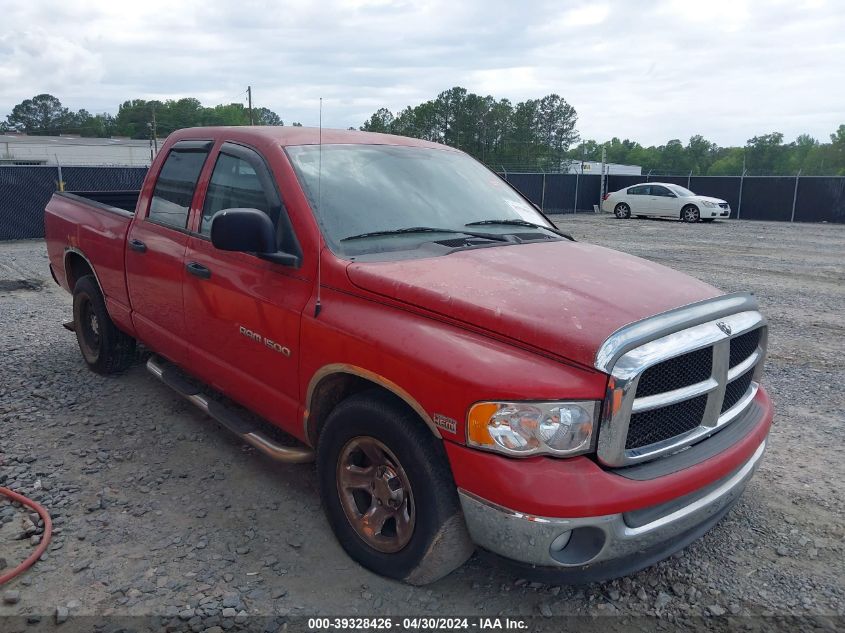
(229, 418)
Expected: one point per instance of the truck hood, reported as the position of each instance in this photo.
(560, 297)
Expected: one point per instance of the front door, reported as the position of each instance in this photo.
(155, 252)
(242, 312)
(664, 201)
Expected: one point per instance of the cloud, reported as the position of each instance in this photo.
(37, 60)
(652, 70)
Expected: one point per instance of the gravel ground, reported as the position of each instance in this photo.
(159, 512)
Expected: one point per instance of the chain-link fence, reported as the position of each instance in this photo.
(25, 190)
(777, 198)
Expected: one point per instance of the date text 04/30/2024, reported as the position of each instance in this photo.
(417, 623)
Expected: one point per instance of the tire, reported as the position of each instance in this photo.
(622, 211)
(422, 536)
(690, 214)
(106, 349)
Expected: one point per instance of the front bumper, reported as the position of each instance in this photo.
(600, 547)
(714, 212)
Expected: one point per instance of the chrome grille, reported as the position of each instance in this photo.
(658, 425)
(736, 389)
(674, 384)
(677, 372)
(744, 346)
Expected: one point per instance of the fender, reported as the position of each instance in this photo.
(344, 368)
(76, 251)
(120, 314)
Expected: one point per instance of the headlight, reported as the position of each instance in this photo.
(520, 429)
(707, 203)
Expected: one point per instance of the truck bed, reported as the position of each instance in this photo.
(95, 226)
(126, 200)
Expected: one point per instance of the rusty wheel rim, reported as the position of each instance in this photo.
(375, 494)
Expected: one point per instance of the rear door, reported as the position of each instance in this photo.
(155, 252)
(243, 312)
(638, 199)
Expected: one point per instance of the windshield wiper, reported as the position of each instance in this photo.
(516, 222)
(425, 229)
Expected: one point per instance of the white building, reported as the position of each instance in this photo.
(20, 149)
(594, 167)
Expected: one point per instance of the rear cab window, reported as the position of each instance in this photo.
(176, 183)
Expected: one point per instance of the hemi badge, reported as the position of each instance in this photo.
(446, 423)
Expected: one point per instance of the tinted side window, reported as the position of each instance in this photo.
(234, 184)
(640, 190)
(656, 190)
(175, 186)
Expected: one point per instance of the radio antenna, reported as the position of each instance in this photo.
(317, 305)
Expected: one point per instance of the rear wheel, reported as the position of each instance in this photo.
(388, 491)
(690, 213)
(106, 349)
(622, 211)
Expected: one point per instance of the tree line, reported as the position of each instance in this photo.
(44, 114)
(540, 134)
(763, 155)
(531, 135)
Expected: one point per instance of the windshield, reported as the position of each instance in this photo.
(365, 190)
(683, 192)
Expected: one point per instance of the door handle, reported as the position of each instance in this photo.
(198, 270)
(138, 245)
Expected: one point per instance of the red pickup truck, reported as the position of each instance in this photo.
(464, 373)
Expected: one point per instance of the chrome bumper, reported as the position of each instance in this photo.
(541, 541)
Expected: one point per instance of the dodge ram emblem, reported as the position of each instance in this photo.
(724, 327)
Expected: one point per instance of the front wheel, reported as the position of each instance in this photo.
(690, 214)
(106, 349)
(622, 211)
(388, 491)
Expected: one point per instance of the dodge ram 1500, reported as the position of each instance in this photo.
(464, 374)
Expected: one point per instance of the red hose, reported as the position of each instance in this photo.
(45, 539)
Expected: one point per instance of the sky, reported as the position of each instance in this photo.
(645, 70)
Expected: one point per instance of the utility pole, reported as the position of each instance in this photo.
(249, 99)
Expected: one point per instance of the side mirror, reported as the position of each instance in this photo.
(243, 230)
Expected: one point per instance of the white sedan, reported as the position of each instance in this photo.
(661, 199)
